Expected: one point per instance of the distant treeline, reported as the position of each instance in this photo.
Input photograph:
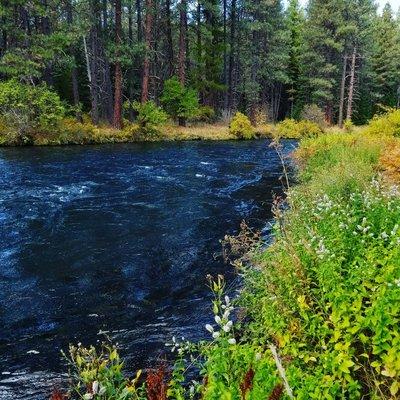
(102, 56)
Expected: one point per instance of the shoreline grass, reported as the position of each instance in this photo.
(71, 132)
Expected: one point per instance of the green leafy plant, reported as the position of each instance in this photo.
(240, 126)
(26, 109)
(97, 374)
(348, 125)
(181, 103)
(150, 116)
(205, 114)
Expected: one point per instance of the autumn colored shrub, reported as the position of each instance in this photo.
(387, 124)
(240, 126)
(292, 129)
(390, 163)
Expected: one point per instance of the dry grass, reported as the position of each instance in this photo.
(196, 132)
(390, 162)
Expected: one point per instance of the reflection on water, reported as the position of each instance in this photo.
(117, 239)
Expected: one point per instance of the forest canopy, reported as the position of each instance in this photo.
(256, 57)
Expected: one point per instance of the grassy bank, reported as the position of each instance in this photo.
(69, 131)
(318, 316)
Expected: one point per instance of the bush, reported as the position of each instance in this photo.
(390, 162)
(27, 109)
(387, 124)
(290, 128)
(313, 113)
(97, 374)
(150, 116)
(348, 125)
(240, 126)
(206, 114)
(179, 102)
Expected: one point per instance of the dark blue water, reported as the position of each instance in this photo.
(119, 239)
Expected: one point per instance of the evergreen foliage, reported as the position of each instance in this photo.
(25, 109)
(179, 102)
(247, 55)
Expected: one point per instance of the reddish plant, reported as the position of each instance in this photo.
(156, 385)
(277, 392)
(247, 383)
(57, 395)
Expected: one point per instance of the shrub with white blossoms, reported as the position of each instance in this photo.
(224, 329)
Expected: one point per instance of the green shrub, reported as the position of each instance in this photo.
(348, 125)
(27, 109)
(205, 114)
(179, 102)
(387, 124)
(240, 126)
(98, 374)
(290, 128)
(312, 113)
(150, 116)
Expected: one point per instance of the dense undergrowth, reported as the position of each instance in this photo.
(318, 316)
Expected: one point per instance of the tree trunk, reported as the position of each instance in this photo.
(182, 43)
(92, 67)
(117, 120)
(224, 76)
(231, 55)
(328, 112)
(146, 62)
(46, 30)
(198, 45)
(139, 20)
(342, 91)
(170, 46)
(105, 17)
(74, 72)
(351, 85)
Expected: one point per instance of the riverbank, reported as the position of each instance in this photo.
(71, 132)
(319, 310)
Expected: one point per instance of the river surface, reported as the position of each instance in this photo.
(117, 238)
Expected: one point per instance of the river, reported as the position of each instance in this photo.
(117, 238)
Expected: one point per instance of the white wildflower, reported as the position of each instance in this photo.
(227, 327)
(216, 335)
(95, 387)
(232, 341)
(209, 328)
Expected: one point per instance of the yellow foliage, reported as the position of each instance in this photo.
(240, 126)
(387, 124)
(390, 162)
(292, 129)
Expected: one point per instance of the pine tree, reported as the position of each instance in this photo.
(384, 59)
(295, 20)
(325, 40)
